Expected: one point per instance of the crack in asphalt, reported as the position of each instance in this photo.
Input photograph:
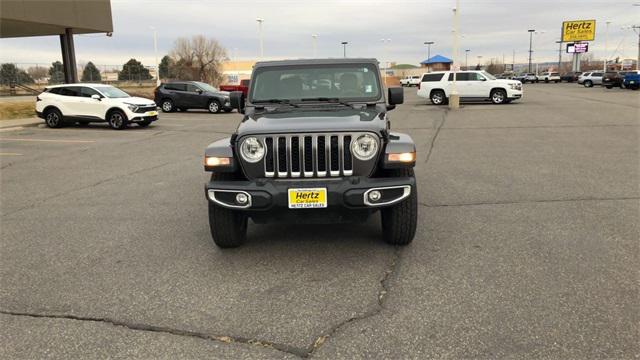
(382, 295)
(435, 136)
(165, 330)
(526, 202)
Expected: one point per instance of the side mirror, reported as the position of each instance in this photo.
(396, 97)
(237, 100)
(96, 97)
(199, 91)
(483, 79)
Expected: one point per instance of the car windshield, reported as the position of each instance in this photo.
(207, 87)
(487, 75)
(112, 92)
(319, 82)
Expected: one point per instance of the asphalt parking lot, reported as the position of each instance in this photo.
(527, 244)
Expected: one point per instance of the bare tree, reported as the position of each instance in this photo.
(37, 72)
(198, 58)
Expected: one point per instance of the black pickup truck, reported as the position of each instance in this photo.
(314, 146)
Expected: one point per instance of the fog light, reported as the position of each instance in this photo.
(216, 161)
(374, 195)
(242, 199)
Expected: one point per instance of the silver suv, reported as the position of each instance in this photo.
(588, 79)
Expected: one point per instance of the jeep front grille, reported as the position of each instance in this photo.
(308, 155)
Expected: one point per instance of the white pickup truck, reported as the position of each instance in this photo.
(412, 80)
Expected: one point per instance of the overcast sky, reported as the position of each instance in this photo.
(490, 28)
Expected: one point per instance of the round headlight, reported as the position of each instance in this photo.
(365, 147)
(252, 150)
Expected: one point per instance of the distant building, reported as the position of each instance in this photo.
(234, 71)
(437, 63)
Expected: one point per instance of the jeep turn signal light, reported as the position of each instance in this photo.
(408, 157)
(216, 161)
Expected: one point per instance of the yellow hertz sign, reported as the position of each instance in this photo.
(578, 30)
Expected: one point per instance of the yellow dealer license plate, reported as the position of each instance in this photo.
(151, 113)
(307, 198)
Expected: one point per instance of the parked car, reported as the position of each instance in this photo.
(506, 75)
(243, 86)
(589, 79)
(185, 95)
(523, 78)
(632, 80)
(570, 76)
(413, 80)
(613, 79)
(311, 153)
(85, 103)
(549, 76)
(471, 85)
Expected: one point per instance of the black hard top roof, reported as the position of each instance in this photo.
(317, 62)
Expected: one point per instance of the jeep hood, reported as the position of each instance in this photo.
(301, 121)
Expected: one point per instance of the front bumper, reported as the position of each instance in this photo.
(348, 193)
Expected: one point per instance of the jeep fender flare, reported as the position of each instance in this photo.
(221, 148)
(398, 143)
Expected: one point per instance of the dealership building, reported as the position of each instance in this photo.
(62, 18)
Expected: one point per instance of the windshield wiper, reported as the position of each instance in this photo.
(277, 101)
(330, 100)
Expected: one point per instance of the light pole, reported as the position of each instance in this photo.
(315, 45)
(606, 48)
(235, 59)
(260, 21)
(559, 54)
(155, 52)
(454, 99)
(428, 43)
(531, 31)
(386, 60)
(466, 59)
(636, 29)
(344, 48)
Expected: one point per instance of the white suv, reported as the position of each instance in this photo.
(471, 85)
(549, 76)
(84, 103)
(413, 80)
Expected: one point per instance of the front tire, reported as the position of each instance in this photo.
(214, 106)
(167, 106)
(498, 96)
(53, 118)
(117, 120)
(437, 97)
(399, 222)
(609, 86)
(588, 83)
(228, 227)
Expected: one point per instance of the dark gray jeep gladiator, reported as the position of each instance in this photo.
(314, 146)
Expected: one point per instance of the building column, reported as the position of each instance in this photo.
(68, 56)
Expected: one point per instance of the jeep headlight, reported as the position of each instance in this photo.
(251, 149)
(365, 147)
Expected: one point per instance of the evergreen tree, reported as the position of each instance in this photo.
(9, 73)
(91, 73)
(56, 73)
(165, 66)
(133, 70)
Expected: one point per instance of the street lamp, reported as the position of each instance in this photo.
(386, 60)
(531, 31)
(260, 21)
(315, 45)
(344, 48)
(466, 59)
(155, 51)
(429, 43)
(606, 50)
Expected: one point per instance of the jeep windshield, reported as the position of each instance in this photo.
(330, 83)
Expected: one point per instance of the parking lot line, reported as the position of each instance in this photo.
(10, 154)
(50, 140)
(14, 128)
